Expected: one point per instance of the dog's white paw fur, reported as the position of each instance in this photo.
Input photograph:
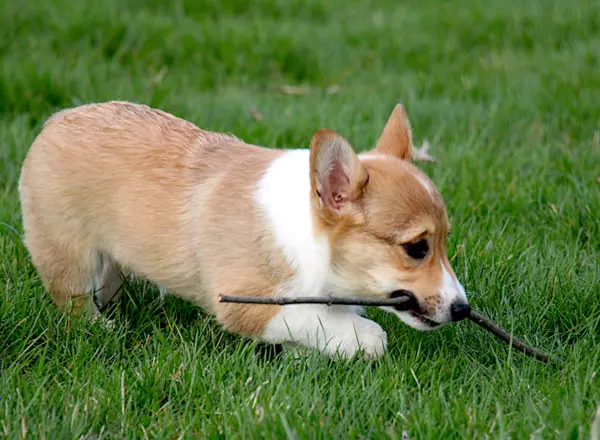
(363, 335)
(337, 332)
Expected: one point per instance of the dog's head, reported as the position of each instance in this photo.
(387, 224)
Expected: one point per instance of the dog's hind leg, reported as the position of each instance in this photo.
(108, 284)
(67, 271)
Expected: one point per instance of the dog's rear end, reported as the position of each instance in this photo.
(120, 187)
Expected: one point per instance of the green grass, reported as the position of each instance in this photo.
(508, 93)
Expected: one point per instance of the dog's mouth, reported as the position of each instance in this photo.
(410, 306)
(424, 320)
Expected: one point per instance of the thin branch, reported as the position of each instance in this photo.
(499, 332)
(403, 302)
(400, 303)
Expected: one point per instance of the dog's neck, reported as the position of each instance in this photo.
(284, 195)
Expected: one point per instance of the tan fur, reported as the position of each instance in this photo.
(118, 187)
(398, 209)
(153, 192)
(396, 138)
(390, 207)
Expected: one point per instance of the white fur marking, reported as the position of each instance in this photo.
(284, 194)
(426, 184)
(371, 156)
(366, 156)
(451, 286)
(409, 320)
(335, 330)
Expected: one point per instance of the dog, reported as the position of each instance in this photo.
(117, 187)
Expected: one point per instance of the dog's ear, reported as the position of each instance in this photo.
(337, 176)
(396, 138)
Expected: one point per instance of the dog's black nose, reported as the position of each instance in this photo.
(459, 311)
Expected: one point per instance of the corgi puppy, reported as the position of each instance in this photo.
(117, 188)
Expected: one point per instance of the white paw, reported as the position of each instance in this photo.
(334, 332)
(359, 334)
(357, 310)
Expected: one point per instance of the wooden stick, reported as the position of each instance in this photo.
(499, 332)
(401, 303)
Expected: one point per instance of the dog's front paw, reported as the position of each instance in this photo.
(372, 339)
(335, 333)
(359, 335)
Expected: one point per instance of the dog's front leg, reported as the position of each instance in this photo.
(333, 330)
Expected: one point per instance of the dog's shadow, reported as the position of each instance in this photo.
(141, 311)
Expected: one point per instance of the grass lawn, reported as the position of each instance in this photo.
(507, 93)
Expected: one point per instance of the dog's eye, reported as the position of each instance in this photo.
(417, 250)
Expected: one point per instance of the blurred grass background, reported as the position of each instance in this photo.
(508, 95)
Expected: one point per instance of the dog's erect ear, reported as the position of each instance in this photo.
(337, 176)
(396, 138)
